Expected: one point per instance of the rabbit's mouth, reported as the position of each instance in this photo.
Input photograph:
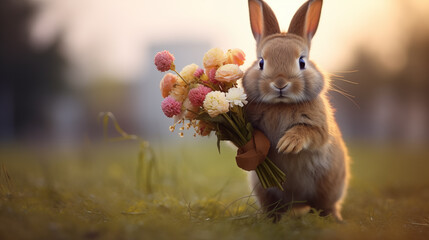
(282, 98)
(281, 91)
(277, 98)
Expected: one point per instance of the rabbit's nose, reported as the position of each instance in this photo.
(279, 88)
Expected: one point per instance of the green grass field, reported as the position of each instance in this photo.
(93, 193)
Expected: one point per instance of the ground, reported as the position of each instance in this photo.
(94, 193)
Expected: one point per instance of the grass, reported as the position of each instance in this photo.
(93, 193)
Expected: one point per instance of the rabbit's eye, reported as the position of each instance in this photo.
(301, 63)
(261, 64)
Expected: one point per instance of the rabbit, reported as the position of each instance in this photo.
(288, 103)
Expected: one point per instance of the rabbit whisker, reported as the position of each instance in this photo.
(346, 95)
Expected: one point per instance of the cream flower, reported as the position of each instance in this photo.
(214, 58)
(228, 73)
(179, 92)
(236, 96)
(190, 110)
(188, 72)
(215, 103)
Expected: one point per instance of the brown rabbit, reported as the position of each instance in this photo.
(287, 101)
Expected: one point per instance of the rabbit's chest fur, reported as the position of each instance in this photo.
(304, 169)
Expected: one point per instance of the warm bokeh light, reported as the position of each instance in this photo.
(113, 36)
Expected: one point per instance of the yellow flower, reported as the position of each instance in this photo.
(228, 73)
(188, 72)
(214, 58)
(204, 78)
(235, 56)
(215, 103)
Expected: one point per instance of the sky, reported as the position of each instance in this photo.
(113, 37)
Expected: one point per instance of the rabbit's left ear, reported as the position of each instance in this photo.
(306, 20)
(263, 21)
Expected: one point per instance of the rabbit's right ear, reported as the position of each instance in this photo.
(262, 20)
(305, 21)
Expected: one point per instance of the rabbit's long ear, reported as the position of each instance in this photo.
(305, 21)
(262, 20)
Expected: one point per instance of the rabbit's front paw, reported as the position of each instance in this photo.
(292, 143)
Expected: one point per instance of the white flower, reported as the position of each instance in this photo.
(215, 103)
(236, 96)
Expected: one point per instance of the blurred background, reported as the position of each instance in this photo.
(64, 62)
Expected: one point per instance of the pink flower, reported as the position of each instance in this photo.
(171, 107)
(167, 83)
(198, 73)
(164, 61)
(212, 75)
(198, 94)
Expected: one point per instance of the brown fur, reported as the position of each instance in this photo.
(300, 23)
(306, 142)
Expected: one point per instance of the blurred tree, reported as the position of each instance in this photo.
(393, 106)
(28, 77)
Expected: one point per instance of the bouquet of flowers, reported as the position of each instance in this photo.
(210, 100)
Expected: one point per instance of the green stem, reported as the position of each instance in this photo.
(244, 140)
(277, 170)
(181, 77)
(268, 171)
(207, 85)
(262, 178)
(277, 176)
